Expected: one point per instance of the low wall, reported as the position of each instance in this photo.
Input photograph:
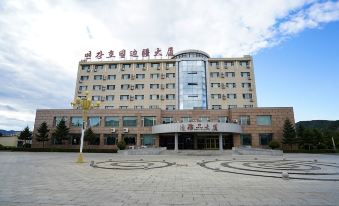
(255, 151)
(143, 151)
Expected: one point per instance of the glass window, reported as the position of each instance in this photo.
(148, 121)
(129, 139)
(111, 77)
(110, 139)
(76, 121)
(215, 85)
(170, 96)
(248, 105)
(109, 107)
(214, 74)
(223, 119)
(186, 119)
(170, 107)
(140, 76)
(83, 88)
(84, 78)
(231, 96)
(95, 141)
(232, 106)
(129, 121)
(109, 97)
(264, 120)
(139, 97)
(94, 121)
(123, 107)
(228, 63)
(96, 98)
(216, 106)
(230, 74)
(154, 96)
(126, 66)
(58, 119)
(147, 139)
(244, 120)
(140, 65)
(155, 76)
(265, 138)
(96, 87)
(247, 96)
(246, 139)
(124, 97)
(112, 122)
(85, 67)
(139, 86)
(230, 85)
(170, 86)
(245, 74)
(99, 66)
(170, 75)
(124, 86)
(171, 64)
(125, 76)
(167, 120)
(246, 85)
(97, 77)
(216, 96)
(110, 87)
(113, 66)
(138, 107)
(154, 106)
(204, 119)
(155, 65)
(154, 86)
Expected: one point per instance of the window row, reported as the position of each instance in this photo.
(132, 97)
(264, 139)
(155, 65)
(229, 74)
(216, 107)
(231, 85)
(129, 76)
(128, 86)
(230, 96)
(261, 120)
(229, 63)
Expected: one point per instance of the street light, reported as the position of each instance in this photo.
(85, 105)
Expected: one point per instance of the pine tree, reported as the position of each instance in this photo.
(90, 137)
(25, 135)
(42, 135)
(61, 132)
(289, 134)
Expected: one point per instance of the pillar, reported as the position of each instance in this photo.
(176, 147)
(220, 142)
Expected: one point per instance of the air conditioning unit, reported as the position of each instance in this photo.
(226, 67)
(162, 76)
(80, 81)
(224, 97)
(132, 87)
(235, 121)
(125, 130)
(162, 86)
(162, 97)
(79, 92)
(104, 78)
(218, 67)
(103, 98)
(222, 75)
(122, 69)
(95, 70)
(158, 68)
(88, 70)
(132, 77)
(223, 86)
(167, 68)
(251, 100)
(103, 88)
(247, 66)
(144, 69)
(249, 78)
(131, 98)
(112, 130)
(250, 89)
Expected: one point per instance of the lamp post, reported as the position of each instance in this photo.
(85, 105)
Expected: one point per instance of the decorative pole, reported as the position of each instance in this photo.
(85, 105)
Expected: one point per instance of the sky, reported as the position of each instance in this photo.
(294, 44)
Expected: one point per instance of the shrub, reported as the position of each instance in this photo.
(274, 144)
(121, 145)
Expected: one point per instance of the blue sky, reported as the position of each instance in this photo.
(293, 42)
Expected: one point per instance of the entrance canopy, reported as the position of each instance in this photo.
(198, 127)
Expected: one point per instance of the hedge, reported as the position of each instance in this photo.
(58, 150)
(313, 151)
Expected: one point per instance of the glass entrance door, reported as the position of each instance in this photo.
(208, 143)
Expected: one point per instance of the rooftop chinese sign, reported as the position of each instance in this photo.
(133, 54)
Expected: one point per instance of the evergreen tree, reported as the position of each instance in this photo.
(289, 134)
(308, 139)
(42, 135)
(61, 132)
(90, 137)
(25, 135)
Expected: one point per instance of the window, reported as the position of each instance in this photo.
(167, 120)
(247, 96)
(140, 65)
(110, 139)
(94, 121)
(214, 64)
(171, 64)
(215, 85)
(154, 86)
(216, 106)
(95, 141)
(154, 96)
(96, 87)
(245, 74)
(139, 97)
(124, 97)
(83, 88)
(76, 121)
(112, 122)
(170, 107)
(214, 74)
(216, 96)
(97, 77)
(125, 76)
(109, 97)
(232, 106)
(186, 119)
(138, 107)
(109, 107)
(155, 65)
(147, 139)
(170, 86)
(248, 105)
(230, 85)
(57, 120)
(244, 63)
(139, 86)
(264, 120)
(229, 63)
(129, 139)
(230, 74)
(124, 86)
(246, 139)
(110, 87)
(85, 67)
(140, 76)
(204, 119)
(223, 119)
(244, 120)
(265, 138)
(123, 107)
(246, 85)
(126, 66)
(231, 96)
(111, 77)
(113, 66)
(84, 78)
(96, 98)
(99, 67)
(170, 96)
(170, 75)
(129, 121)
(148, 121)
(155, 76)
(154, 106)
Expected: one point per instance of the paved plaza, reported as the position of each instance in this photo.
(54, 179)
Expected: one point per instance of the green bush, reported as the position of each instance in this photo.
(274, 144)
(121, 145)
(113, 150)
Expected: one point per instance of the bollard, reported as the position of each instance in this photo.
(285, 175)
(315, 161)
(91, 163)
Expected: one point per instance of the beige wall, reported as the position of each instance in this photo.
(10, 141)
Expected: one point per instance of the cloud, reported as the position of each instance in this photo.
(41, 42)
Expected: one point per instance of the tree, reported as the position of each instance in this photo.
(25, 135)
(90, 137)
(42, 135)
(121, 144)
(289, 134)
(308, 139)
(274, 144)
(61, 132)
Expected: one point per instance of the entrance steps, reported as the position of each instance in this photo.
(197, 152)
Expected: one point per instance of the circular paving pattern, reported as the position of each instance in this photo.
(305, 170)
(131, 164)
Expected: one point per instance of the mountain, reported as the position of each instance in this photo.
(9, 132)
(320, 124)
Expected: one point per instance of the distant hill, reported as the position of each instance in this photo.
(9, 132)
(320, 124)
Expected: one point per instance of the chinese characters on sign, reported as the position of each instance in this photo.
(145, 53)
(199, 127)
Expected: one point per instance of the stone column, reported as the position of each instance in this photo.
(176, 147)
(138, 140)
(220, 142)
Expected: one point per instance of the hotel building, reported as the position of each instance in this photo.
(190, 101)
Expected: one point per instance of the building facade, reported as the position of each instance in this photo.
(190, 101)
